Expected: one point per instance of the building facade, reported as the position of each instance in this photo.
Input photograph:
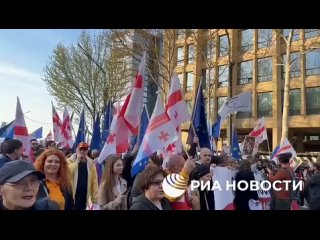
(254, 61)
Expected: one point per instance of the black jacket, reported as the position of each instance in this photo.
(68, 198)
(242, 198)
(312, 192)
(142, 203)
(42, 204)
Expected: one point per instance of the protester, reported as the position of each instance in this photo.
(19, 185)
(57, 183)
(282, 198)
(242, 197)
(205, 157)
(153, 196)
(84, 178)
(154, 161)
(312, 189)
(12, 150)
(50, 144)
(112, 190)
(33, 149)
(178, 165)
(202, 199)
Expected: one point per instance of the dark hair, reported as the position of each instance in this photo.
(33, 139)
(148, 175)
(156, 160)
(48, 143)
(245, 165)
(11, 145)
(284, 157)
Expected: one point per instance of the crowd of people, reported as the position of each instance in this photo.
(55, 179)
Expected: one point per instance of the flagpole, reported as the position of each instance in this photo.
(268, 145)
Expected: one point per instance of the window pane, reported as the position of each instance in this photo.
(221, 100)
(310, 33)
(224, 45)
(246, 40)
(223, 76)
(180, 57)
(189, 81)
(191, 53)
(264, 38)
(245, 72)
(241, 115)
(294, 102)
(207, 77)
(180, 76)
(313, 63)
(313, 100)
(181, 33)
(296, 34)
(295, 65)
(265, 104)
(264, 69)
(189, 106)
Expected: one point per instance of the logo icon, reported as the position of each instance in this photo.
(174, 185)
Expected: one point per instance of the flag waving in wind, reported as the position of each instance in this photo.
(96, 137)
(20, 129)
(239, 103)
(57, 125)
(66, 134)
(81, 136)
(285, 147)
(37, 133)
(160, 133)
(134, 108)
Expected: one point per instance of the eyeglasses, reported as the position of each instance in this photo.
(157, 183)
(22, 184)
(206, 155)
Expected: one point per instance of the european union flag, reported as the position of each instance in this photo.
(7, 131)
(108, 115)
(96, 136)
(235, 150)
(199, 121)
(37, 133)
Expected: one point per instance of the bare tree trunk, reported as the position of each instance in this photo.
(285, 114)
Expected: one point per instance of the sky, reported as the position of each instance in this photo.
(23, 56)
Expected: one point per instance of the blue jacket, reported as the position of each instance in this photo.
(4, 159)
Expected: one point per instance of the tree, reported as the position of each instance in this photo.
(87, 74)
(288, 63)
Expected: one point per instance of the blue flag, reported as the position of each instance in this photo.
(235, 150)
(96, 136)
(199, 121)
(37, 133)
(7, 131)
(143, 127)
(81, 132)
(108, 115)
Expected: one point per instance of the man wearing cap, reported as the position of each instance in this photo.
(12, 150)
(84, 179)
(19, 185)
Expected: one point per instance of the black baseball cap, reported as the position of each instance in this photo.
(16, 170)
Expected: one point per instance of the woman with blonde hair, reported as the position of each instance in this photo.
(112, 194)
(57, 183)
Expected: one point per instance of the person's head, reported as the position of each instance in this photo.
(205, 156)
(53, 163)
(218, 160)
(13, 148)
(34, 144)
(245, 165)
(201, 173)
(19, 184)
(151, 183)
(175, 163)
(154, 161)
(284, 158)
(50, 144)
(95, 153)
(40, 149)
(113, 168)
(82, 151)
